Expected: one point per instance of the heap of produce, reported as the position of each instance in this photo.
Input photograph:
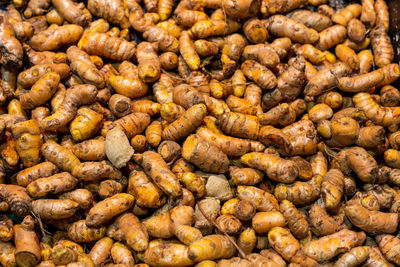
(230, 133)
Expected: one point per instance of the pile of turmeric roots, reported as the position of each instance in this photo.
(242, 133)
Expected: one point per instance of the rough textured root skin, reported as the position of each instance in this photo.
(88, 150)
(187, 96)
(112, 11)
(154, 165)
(188, 52)
(60, 156)
(301, 193)
(41, 91)
(56, 37)
(149, 67)
(361, 83)
(73, 12)
(331, 36)
(382, 13)
(28, 142)
(17, 198)
(241, 146)
(239, 125)
(326, 79)
(280, 238)
(205, 155)
(29, 77)
(371, 221)
(134, 231)
(27, 249)
(80, 233)
(10, 48)
(332, 189)
(84, 67)
(262, 200)
(381, 46)
(322, 223)
(168, 255)
(276, 168)
(384, 116)
(54, 208)
(101, 251)
(317, 21)
(284, 27)
(297, 223)
(132, 124)
(145, 192)
(327, 247)
(389, 245)
(74, 97)
(57, 183)
(90, 44)
(258, 73)
(368, 14)
(98, 215)
(6, 229)
(211, 247)
(358, 160)
(353, 258)
(185, 124)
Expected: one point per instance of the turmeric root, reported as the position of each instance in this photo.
(153, 133)
(11, 48)
(79, 232)
(98, 215)
(185, 124)
(145, 192)
(17, 198)
(284, 27)
(73, 12)
(384, 116)
(297, 222)
(54, 208)
(205, 155)
(331, 36)
(329, 246)
(60, 156)
(90, 44)
(157, 169)
(332, 189)
(346, 14)
(27, 249)
(371, 221)
(132, 124)
(168, 255)
(82, 66)
(101, 250)
(382, 13)
(92, 149)
(280, 238)
(134, 231)
(263, 222)
(111, 11)
(36, 8)
(381, 46)
(211, 247)
(314, 20)
(29, 77)
(285, 171)
(322, 223)
(149, 64)
(388, 244)
(262, 200)
(56, 37)
(57, 183)
(74, 97)
(28, 142)
(221, 141)
(6, 229)
(299, 192)
(258, 73)
(264, 54)
(326, 79)
(368, 14)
